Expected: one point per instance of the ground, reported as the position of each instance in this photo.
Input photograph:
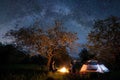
(35, 72)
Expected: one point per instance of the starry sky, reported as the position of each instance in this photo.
(76, 15)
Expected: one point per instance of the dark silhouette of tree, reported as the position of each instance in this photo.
(85, 55)
(62, 57)
(38, 59)
(44, 42)
(9, 54)
(104, 39)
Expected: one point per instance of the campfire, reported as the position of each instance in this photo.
(63, 70)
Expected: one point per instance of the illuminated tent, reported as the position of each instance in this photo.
(93, 66)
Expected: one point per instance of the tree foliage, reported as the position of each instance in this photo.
(62, 57)
(85, 55)
(45, 42)
(104, 39)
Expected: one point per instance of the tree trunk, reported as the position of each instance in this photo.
(50, 56)
(49, 62)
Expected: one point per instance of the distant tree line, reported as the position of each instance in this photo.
(9, 54)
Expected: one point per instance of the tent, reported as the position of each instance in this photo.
(93, 66)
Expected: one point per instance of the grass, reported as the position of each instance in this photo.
(36, 72)
(56, 75)
(22, 76)
(22, 72)
(114, 75)
(22, 66)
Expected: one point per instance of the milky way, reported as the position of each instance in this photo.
(76, 15)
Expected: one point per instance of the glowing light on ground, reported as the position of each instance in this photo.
(63, 70)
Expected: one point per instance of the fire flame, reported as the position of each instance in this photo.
(63, 70)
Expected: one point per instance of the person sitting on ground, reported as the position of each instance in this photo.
(72, 67)
(53, 68)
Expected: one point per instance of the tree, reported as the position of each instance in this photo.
(45, 42)
(62, 57)
(104, 39)
(85, 55)
(9, 54)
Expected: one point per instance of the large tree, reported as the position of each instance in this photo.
(44, 42)
(104, 39)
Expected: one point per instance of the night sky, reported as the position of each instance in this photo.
(76, 15)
